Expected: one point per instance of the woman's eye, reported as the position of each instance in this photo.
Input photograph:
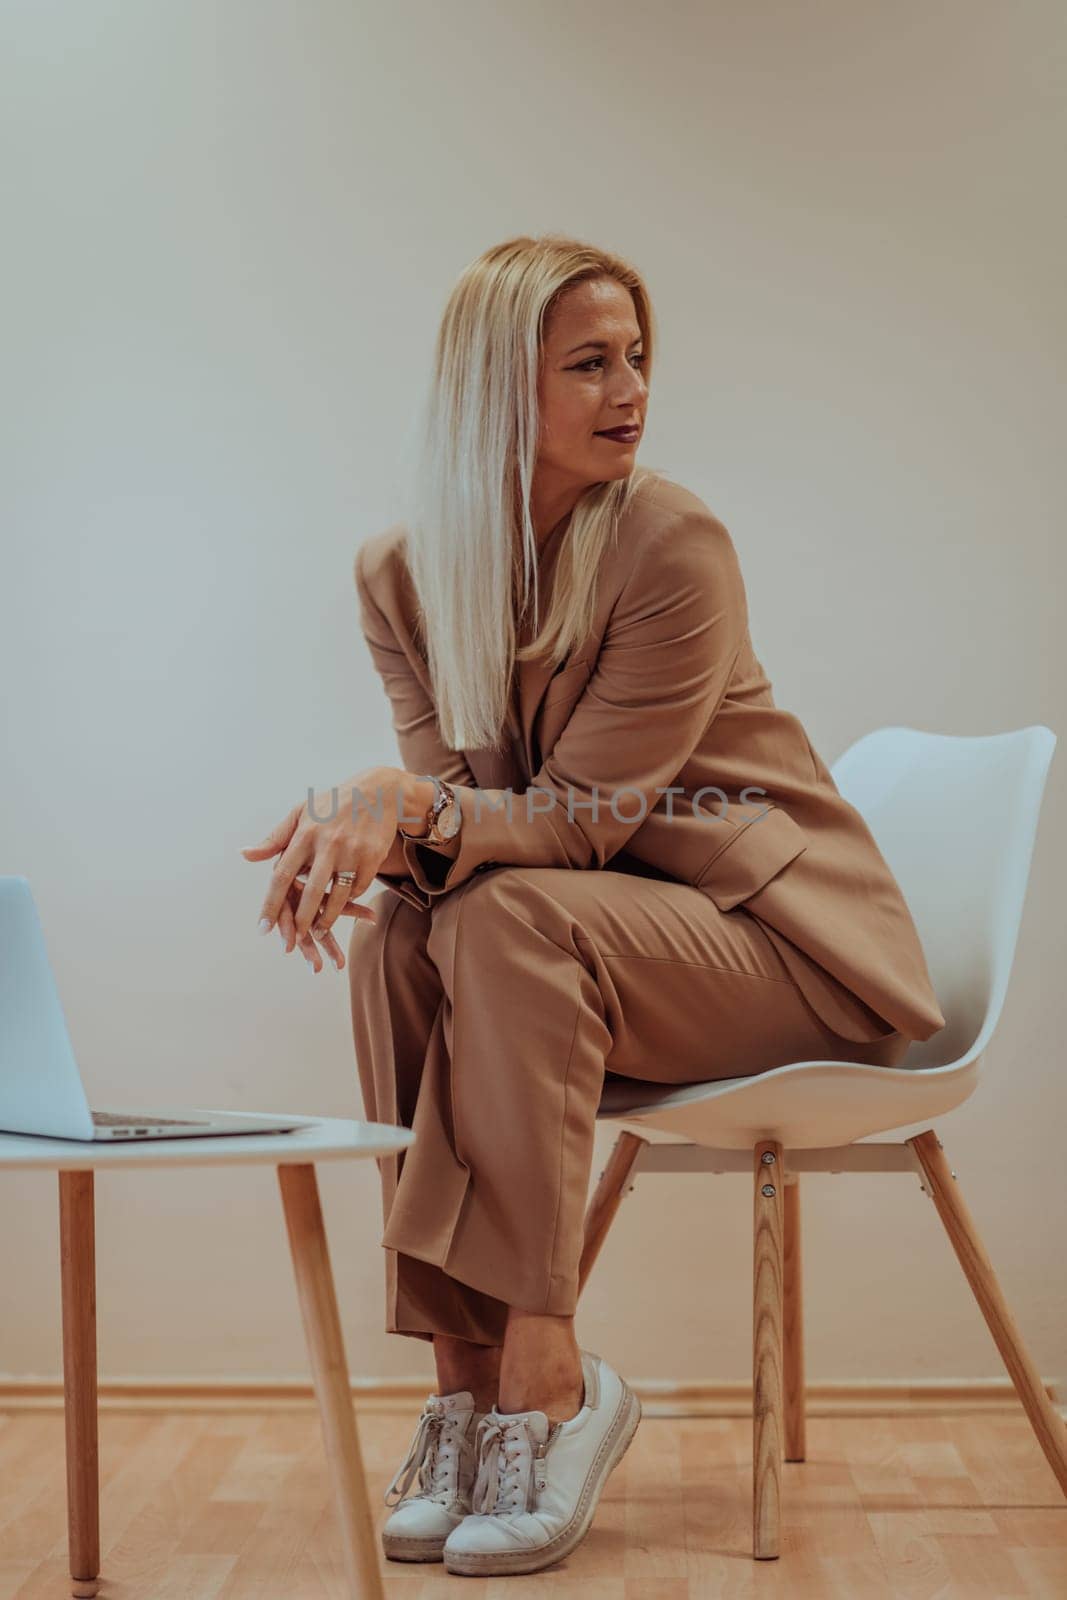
(585, 366)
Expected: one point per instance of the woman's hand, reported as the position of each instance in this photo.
(286, 926)
(350, 828)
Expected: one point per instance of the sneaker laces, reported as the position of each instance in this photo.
(511, 1466)
(437, 1438)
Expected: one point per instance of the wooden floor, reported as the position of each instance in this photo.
(236, 1506)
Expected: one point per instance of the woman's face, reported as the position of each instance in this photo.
(590, 380)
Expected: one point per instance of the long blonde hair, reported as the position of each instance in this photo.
(469, 491)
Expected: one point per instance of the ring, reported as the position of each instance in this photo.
(344, 877)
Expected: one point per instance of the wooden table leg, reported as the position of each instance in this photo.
(322, 1328)
(77, 1256)
(767, 1321)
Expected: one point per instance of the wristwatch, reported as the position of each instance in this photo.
(443, 817)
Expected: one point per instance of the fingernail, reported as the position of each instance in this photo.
(265, 925)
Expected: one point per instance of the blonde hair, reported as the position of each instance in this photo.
(469, 495)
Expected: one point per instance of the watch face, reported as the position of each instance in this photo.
(447, 821)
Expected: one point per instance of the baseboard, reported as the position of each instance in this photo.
(659, 1398)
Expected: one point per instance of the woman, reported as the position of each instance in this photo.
(563, 637)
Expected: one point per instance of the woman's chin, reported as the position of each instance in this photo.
(621, 467)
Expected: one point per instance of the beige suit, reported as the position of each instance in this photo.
(615, 927)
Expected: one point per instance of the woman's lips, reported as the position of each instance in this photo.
(622, 435)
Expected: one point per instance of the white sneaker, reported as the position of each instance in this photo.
(443, 1457)
(538, 1483)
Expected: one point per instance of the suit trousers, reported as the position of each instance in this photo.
(487, 1024)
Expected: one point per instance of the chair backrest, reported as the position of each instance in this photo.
(955, 818)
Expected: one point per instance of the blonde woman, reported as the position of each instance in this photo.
(605, 849)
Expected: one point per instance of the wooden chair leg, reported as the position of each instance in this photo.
(963, 1236)
(322, 1328)
(767, 1317)
(793, 1358)
(77, 1260)
(607, 1198)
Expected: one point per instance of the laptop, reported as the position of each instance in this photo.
(41, 1089)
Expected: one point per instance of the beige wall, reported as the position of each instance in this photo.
(230, 228)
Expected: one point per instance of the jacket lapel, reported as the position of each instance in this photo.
(534, 679)
(514, 766)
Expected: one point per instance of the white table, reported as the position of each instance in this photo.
(294, 1154)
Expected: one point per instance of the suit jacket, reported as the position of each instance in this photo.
(609, 753)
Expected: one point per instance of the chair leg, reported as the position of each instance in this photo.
(793, 1290)
(77, 1261)
(767, 1318)
(607, 1198)
(322, 1328)
(963, 1236)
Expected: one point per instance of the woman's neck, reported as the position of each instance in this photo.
(549, 508)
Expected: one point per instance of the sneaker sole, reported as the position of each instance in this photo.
(613, 1447)
(399, 1548)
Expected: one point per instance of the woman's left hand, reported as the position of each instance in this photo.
(354, 837)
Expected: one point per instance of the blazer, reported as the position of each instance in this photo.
(657, 748)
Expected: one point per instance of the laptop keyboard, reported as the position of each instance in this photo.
(112, 1119)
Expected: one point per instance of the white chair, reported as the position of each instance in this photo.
(956, 819)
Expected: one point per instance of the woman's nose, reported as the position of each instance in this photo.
(630, 390)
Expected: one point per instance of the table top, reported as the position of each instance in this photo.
(318, 1139)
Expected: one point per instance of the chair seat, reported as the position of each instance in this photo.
(804, 1105)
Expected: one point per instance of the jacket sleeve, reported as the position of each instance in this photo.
(666, 660)
(422, 749)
